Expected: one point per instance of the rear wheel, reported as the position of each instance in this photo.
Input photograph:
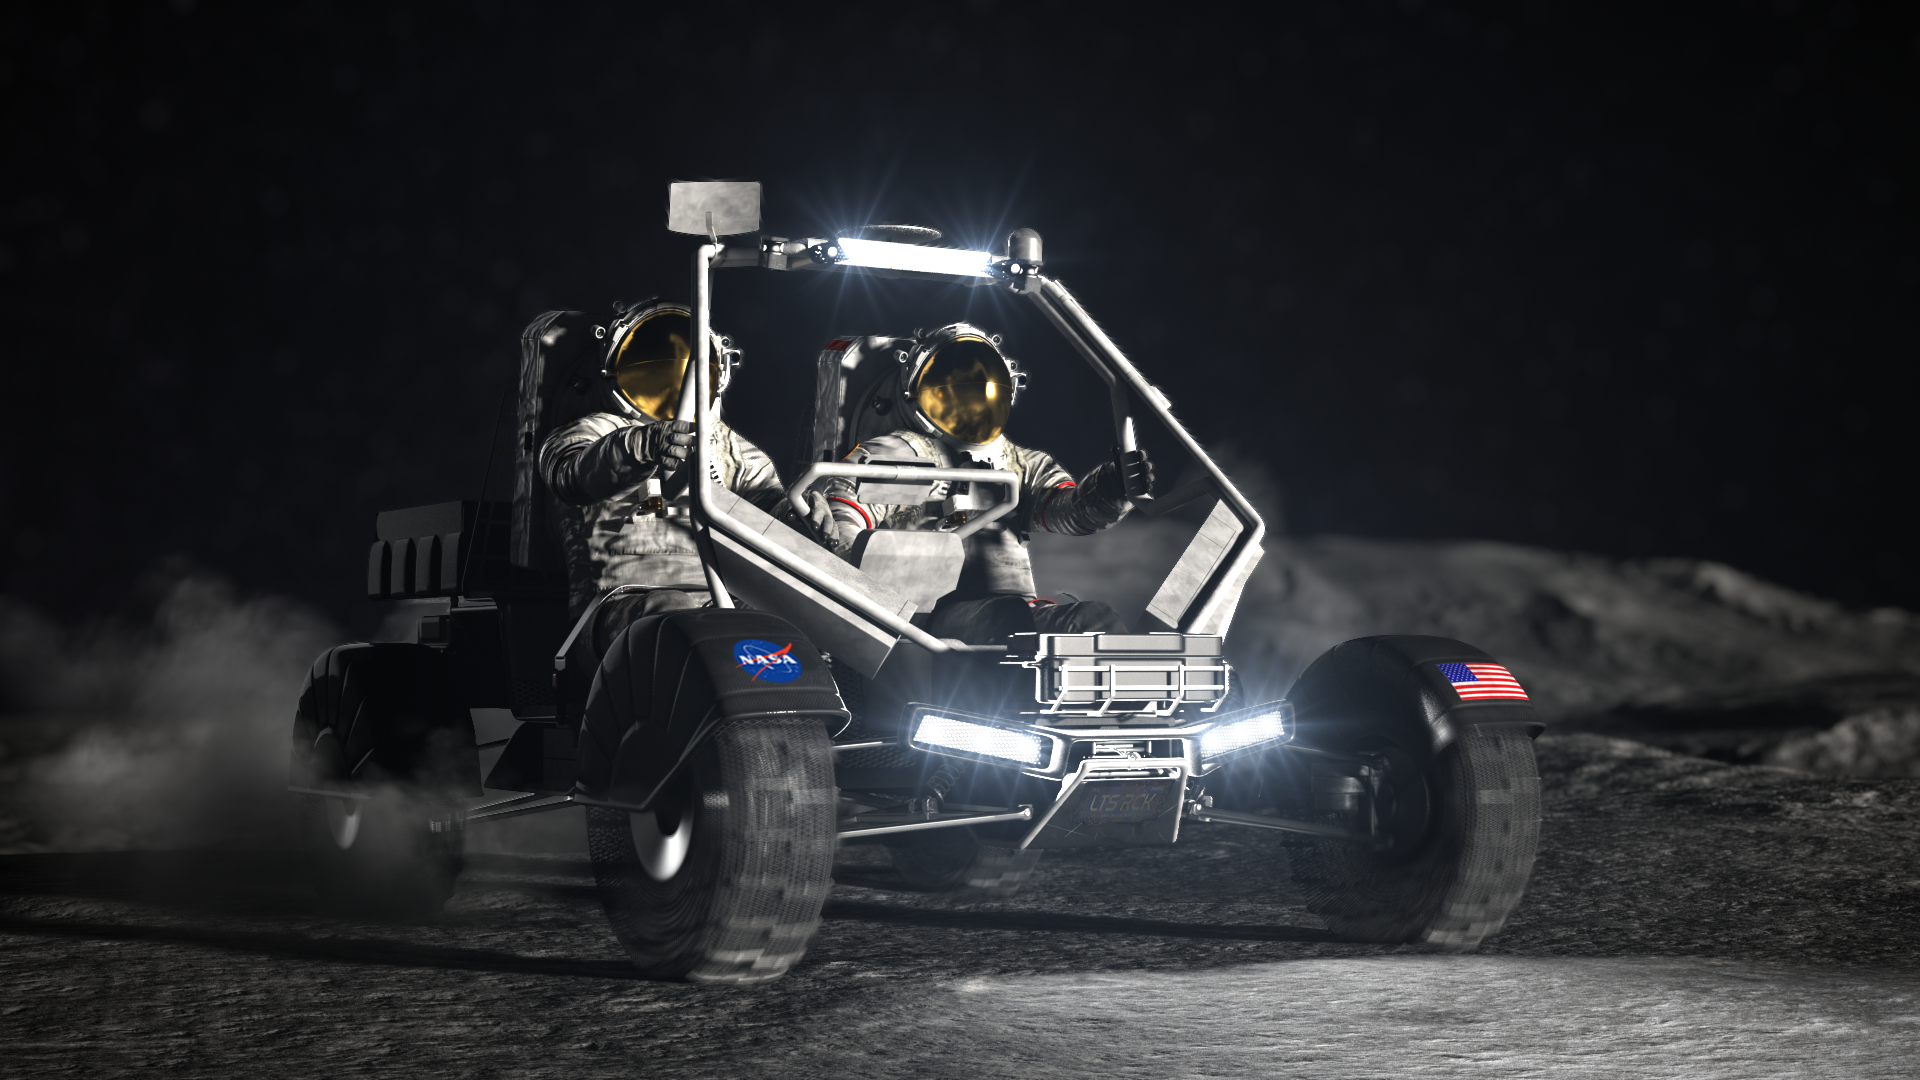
(724, 880)
(955, 860)
(378, 725)
(1461, 825)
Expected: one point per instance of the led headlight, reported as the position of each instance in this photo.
(1248, 729)
(886, 255)
(959, 735)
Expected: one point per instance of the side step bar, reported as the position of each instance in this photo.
(917, 822)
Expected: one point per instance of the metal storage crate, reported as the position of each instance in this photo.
(1104, 674)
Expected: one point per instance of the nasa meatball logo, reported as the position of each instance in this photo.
(767, 662)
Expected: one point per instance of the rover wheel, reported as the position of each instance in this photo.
(955, 860)
(724, 880)
(1461, 825)
(375, 724)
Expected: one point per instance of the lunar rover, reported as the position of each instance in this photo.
(721, 753)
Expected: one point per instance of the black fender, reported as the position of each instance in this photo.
(1413, 692)
(669, 681)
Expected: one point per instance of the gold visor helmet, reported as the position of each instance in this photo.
(648, 351)
(960, 384)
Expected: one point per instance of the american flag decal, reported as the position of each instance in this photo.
(1476, 682)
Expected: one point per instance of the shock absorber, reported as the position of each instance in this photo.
(937, 786)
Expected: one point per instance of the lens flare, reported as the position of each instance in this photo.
(1272, 722)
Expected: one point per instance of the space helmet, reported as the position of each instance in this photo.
(648, 347)
(958, 384)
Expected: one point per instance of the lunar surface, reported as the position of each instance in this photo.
(1687, 917)
(1728, 882)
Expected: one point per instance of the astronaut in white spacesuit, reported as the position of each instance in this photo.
(958, 392)
(598, 466)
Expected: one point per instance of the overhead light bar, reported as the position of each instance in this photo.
(981, 739)
(1248, 729)
(886, 255)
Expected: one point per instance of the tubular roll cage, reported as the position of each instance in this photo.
(1199, 594)
(1197, 597)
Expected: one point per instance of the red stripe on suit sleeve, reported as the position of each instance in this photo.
(1051, 492)
(864, 516)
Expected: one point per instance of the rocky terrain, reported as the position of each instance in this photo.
(1687, 917)
(1698, 908)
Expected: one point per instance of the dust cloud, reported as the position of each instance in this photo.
(168, 735)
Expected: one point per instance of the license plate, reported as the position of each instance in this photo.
(1112, 802)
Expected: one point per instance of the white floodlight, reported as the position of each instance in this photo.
(1248, 729)
(885, 255)
(1001, 744)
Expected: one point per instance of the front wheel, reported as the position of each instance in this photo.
(1460, 825)
(723, 881)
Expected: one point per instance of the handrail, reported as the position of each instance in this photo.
(796, 495)
(1078, 327)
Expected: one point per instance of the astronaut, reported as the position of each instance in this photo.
(612, 528)
(958, 391)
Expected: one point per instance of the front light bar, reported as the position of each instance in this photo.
(886, 255)
(981, 738)
(1257, 728)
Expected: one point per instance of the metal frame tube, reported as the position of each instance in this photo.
(580, 624)
(1025, 813)
(530, 804)
(361, 795)
(1078, 327)
(797, 494)
(709, 515)
(702, 476)
(1308, 828)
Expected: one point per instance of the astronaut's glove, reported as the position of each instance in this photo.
(1130, 476)
(667, 443)
(835, 535)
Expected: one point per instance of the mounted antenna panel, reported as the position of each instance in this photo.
(716, 208)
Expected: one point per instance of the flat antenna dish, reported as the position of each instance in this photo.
(898, 234)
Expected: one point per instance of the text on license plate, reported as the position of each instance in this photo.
(1120, 801)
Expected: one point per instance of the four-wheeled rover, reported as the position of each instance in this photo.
(722, 752)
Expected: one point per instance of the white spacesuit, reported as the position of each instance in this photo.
(598, 467)
(958, 392)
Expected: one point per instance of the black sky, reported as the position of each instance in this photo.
(1638, 280)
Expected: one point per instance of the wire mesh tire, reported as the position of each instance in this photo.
(1458, 884)
(956, 861)
(724, 881)
(1460, 822)
(378, 723)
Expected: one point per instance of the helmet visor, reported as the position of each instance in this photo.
(652, 363)
(966, 390)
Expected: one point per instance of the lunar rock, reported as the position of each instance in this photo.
(1692, 655)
